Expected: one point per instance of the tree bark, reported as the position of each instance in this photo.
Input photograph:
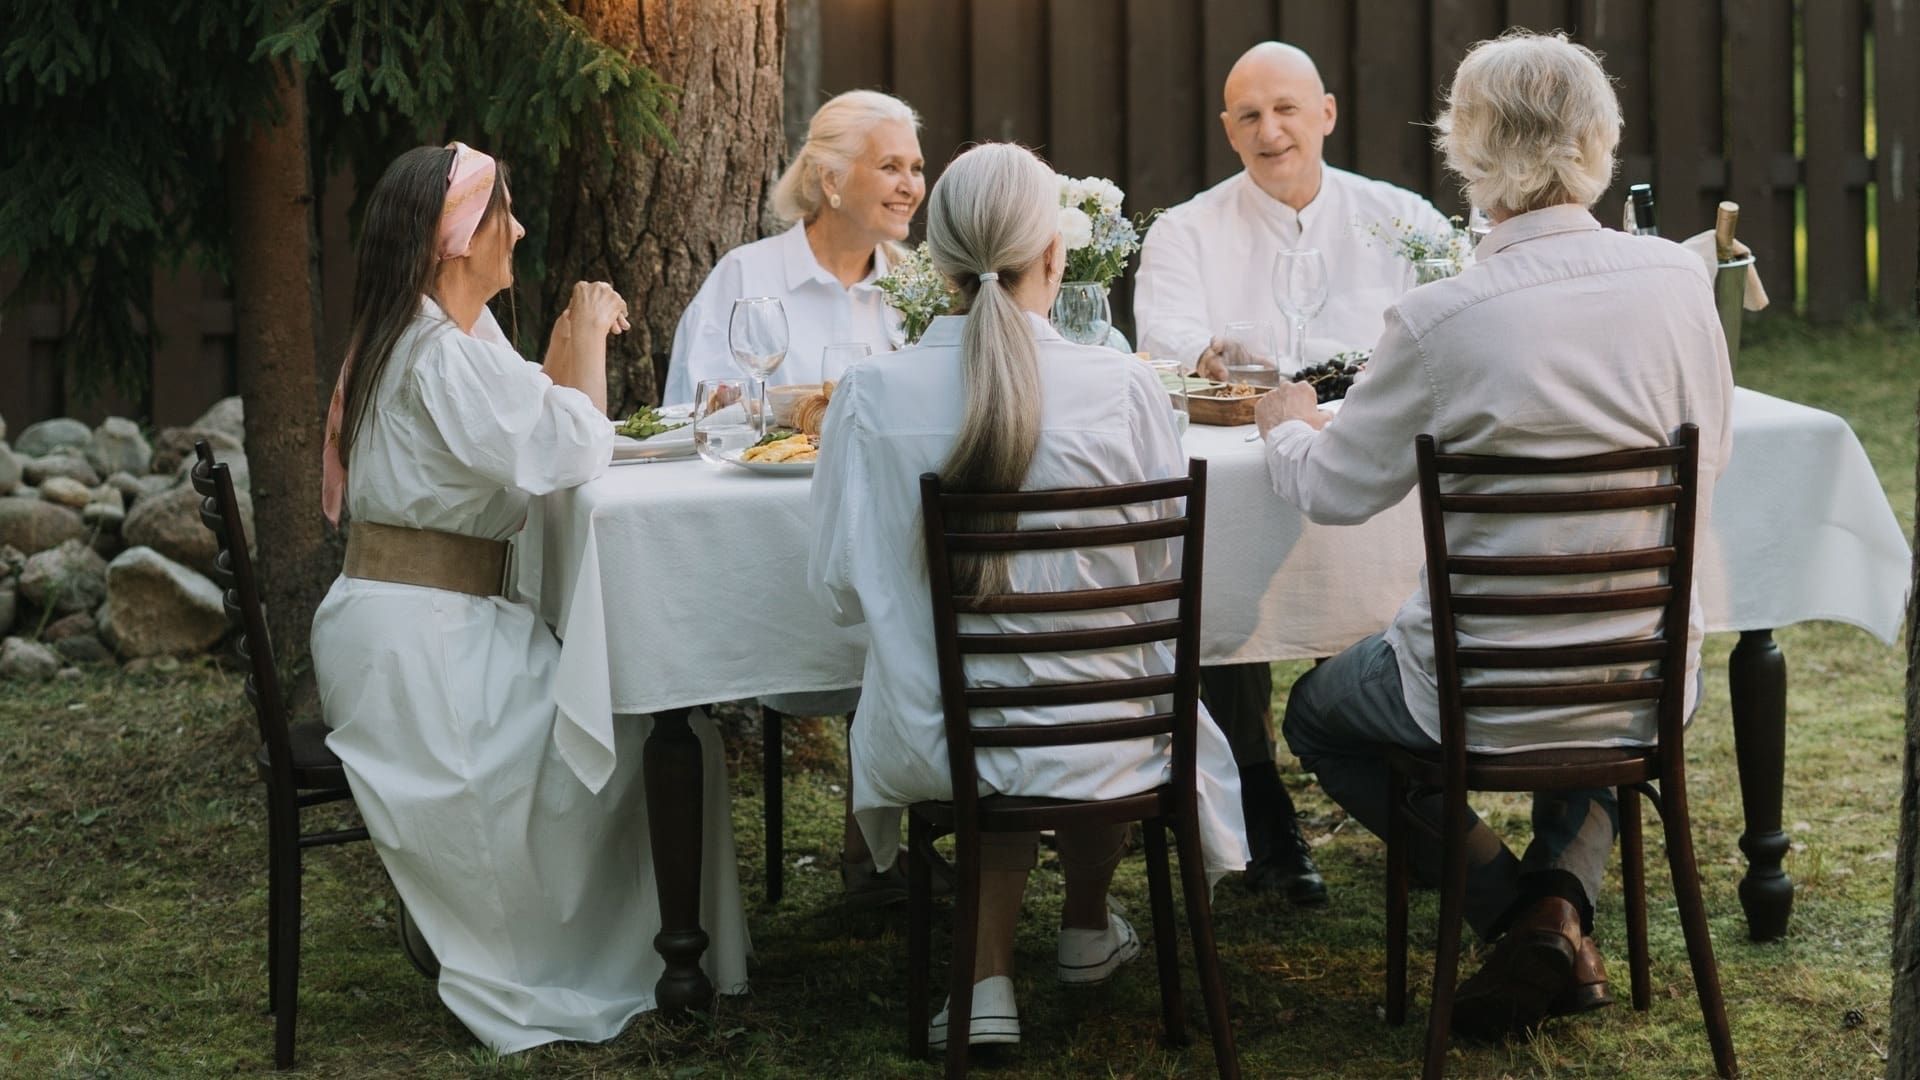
(654, 223)
(1903, 1025)
(275, 319)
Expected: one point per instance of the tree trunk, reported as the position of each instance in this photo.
(1903, 1026)
(655, 223)
(274, 323)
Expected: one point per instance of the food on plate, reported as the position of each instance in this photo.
(647, 423)
(811, 411)
(1229, 391)
(793, 448)
(1332, 380)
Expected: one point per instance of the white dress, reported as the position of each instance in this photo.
(535, 893)
(1104, 420)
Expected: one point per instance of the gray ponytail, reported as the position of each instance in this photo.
(992, 214)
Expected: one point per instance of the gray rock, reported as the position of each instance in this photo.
(65, 491)
(84, 649)
(152, 665)
(34, 526)
(9, 607)
(69, 578)
(134, 488)
(65, 463)
(27, 660)
(107, 543)
(106, 507)
(156, 607)
(170, 524)
(69, 674)
(9, 469)
(12, 560)
(118, 446)
(175, 445)
(49, 435)
(31, 494)
(228, 416)
(74, 625)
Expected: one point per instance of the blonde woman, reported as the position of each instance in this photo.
(995, 400)
(850, 194)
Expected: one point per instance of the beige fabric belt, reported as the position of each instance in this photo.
(425, 557)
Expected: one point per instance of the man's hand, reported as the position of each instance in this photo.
(1213, 362)
(1289, 401)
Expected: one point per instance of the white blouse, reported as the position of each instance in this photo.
(820, 312)
(1210, 260)
(1104, 420)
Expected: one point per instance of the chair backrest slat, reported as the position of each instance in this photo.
(1650, 457)
(1566, 603)
(1561, 502)
(1602, 562)
(1590, 693)
(945, 536)
(1098, 637)
(1645, 650)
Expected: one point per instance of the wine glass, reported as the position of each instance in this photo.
(757, 334)
(1300, 285)
(1081, 313)
(1173, 376)
(836, 358)
(723, 419)
(1478, 226)
(1252, 353)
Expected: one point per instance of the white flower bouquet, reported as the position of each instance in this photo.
(917, 291)
(1445, 249)
(1099, 238)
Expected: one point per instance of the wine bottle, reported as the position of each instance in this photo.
(1724, 219)
(1640, 211)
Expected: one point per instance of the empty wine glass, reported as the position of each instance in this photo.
(1300, 286)
(724, 419)
(836, 358)
(757, 334)
(1081, 313)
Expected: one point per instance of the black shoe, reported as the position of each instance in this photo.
(414, 944)
(1289, 870)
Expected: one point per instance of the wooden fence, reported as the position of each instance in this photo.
(1806, 112)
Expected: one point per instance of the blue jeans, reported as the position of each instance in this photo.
(1341, 718)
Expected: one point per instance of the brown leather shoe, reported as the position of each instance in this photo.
(1588, 990)
(1531, 967)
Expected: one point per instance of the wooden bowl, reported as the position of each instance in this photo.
(1220, 411)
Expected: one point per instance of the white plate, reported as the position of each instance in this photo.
(773, 468)
(627, 451)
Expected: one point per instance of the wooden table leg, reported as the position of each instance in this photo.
(675, 798)
(1757, 676)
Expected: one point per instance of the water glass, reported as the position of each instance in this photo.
(1251, 353)
(836, 358)
(1478, 225)
(725, 419)
(757, 335)
(1173, 376)
(1081, 313)
(1300, 286)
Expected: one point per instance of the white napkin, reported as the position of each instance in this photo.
(1702, 244)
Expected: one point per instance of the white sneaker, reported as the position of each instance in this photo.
(1090, 957)
(996, 1016)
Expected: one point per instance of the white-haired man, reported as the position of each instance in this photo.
(1562, 340)
(1209, 262)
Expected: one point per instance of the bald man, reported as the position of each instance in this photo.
(1209, 262)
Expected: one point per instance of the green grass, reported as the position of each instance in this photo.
(133, 908)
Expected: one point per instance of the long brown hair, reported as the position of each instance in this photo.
(394, 267)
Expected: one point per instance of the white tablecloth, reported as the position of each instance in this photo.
(673, 584)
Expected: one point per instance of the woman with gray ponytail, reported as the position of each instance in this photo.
(995, 400)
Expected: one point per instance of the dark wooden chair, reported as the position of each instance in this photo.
(1632, 771)
(293, 760)
(1171, 806)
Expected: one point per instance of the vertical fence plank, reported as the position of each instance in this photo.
(29, 388)
(855, 45)
(930, 70)
(1689, 169)
(1836, 172)
(1087, 80)
(1896, 104)
(1617, 30)
(1228, 28)
(1167, 109)
(1391, 91)
(1324, 28)
(1540, 16)
(1457, 25)
(1760, 111)
(182, 386)
(1009, 72)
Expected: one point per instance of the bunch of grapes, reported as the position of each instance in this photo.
(1333, 379)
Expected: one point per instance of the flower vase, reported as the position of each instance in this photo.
(1082, 313)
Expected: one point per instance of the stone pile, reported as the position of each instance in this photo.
(103, 556)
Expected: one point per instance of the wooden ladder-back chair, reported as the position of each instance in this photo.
(1173, 805)
(293, 760)
(1632, 771)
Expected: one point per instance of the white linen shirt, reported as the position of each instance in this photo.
(1562, 340)
(1210, 260)
(1104, 420)
(820, 312)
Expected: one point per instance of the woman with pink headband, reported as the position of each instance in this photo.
(437, 688)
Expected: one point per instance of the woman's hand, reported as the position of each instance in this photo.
(596, 309)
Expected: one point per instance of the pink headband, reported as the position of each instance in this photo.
(469, 187)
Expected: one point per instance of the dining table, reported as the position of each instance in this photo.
(675, 583)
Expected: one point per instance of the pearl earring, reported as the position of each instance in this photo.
(833, 201)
